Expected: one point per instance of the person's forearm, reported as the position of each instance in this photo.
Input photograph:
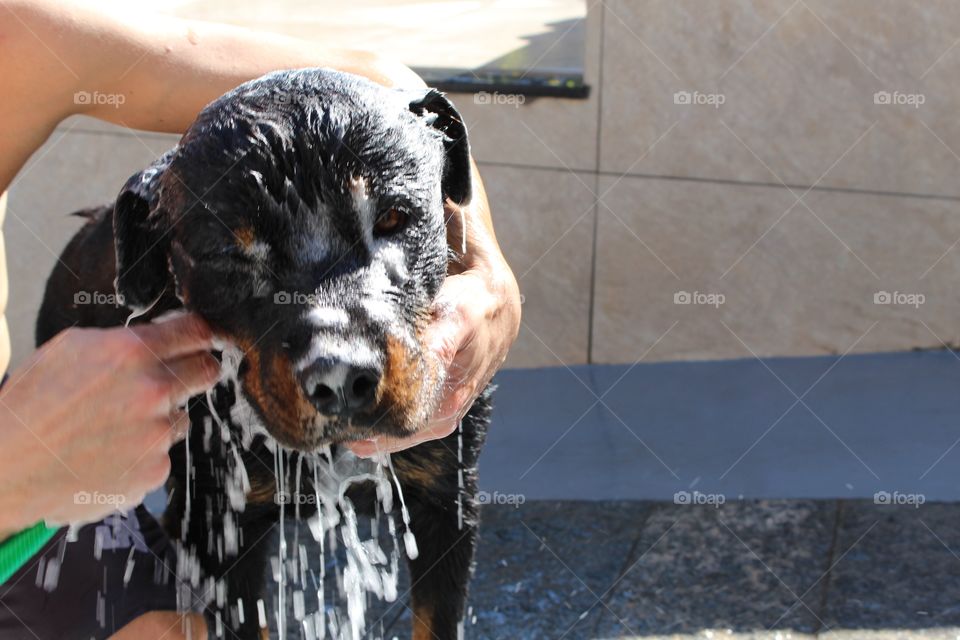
(156, 72)
(16, 511)
(168, 69)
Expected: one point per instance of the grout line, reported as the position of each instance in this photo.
(592, 298)
(831, 553)
(536, 167)
(628, 562)
(152, 135)
(396, 618)
(735, 183)
(591, 301)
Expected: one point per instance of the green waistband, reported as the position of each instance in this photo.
(17, 550)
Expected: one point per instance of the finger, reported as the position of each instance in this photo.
(385, 445)
(453, 405)
(180, 424)
(443, 338)
(448, 329)
(190, 375)
(389, 444)
(156, 474)
(175, 337)
(364, 448)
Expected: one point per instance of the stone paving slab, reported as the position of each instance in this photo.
(857, 634)
(949, 633)
(740, 566)
(724, 634)
(896, 567)
(750, 570)
(543, 567)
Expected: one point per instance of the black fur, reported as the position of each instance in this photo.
(271, 195)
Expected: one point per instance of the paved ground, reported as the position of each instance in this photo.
(840, 570)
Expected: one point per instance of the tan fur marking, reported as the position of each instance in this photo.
(400, 389)
(423, 622)
(245, 237)
(283, 400)
(418, 469)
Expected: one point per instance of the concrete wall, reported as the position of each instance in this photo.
(787, 185)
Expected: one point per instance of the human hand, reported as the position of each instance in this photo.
(86, 423)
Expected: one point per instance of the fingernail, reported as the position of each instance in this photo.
(181, 425)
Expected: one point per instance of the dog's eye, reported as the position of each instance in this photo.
(390, 221)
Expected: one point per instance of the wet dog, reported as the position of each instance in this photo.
(302, 215)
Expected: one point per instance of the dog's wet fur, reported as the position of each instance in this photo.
(301, 215)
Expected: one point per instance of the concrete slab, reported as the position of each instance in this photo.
(752, 570)
(864, 424)
(896, 567)
(748, 567)
(543, 567)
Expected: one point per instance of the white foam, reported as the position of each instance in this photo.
(372, 564)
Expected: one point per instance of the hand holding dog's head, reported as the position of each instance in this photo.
(302, 216)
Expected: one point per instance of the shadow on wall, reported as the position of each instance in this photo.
(561, 49)
(551, 63)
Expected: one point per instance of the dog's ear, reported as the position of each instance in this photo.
(440, 114)
(141, 246)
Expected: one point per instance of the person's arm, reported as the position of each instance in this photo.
(145, 71)
(167, 69)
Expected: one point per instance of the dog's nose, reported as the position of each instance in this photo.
(339, 388)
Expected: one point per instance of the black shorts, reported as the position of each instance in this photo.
(115, 570)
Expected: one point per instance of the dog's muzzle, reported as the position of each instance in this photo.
(340, 377)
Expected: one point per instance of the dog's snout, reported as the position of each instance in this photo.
(340, 388)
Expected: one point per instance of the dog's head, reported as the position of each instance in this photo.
(302, 215)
